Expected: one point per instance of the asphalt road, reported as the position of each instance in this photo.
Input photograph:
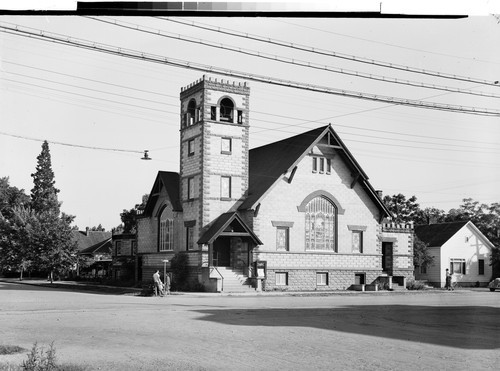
(356, 331)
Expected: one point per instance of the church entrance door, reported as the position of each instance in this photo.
(222, 252)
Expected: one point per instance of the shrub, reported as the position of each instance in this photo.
(10, 349)
(38, 360)
(412, 284)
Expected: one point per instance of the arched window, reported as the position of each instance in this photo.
(191, 113)
(226, 110)
(166, 230)
(321, 216)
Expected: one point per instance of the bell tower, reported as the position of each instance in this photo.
(214, 144)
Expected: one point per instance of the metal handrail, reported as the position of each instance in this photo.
(221, 276)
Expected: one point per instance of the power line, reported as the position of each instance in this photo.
(134, 54)
(71, 145)
(332, 53)
(294, 61)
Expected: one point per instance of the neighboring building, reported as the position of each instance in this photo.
(124, 255)
(460, 247)
(95, 248)
(299, 211)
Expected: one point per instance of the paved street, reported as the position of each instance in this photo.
(361, 331)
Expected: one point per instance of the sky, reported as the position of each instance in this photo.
(99, 112)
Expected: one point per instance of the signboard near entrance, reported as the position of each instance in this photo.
(260, 267)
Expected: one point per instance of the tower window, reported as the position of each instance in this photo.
(240, 117)
(190, 190)
(191, 147)
(191, 112)
(225, 146)
(213, 113)
(226, 110)
(225, 187)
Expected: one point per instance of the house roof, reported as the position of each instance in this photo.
(220, 227)
(170, 181)
(267, 164)
(86, 239)
(436, 235)
(103, 247)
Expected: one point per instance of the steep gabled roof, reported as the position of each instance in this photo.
(220, 225)
(436, 235)
(88, 239)
(103, 247)
(170, 181)
(267, 164)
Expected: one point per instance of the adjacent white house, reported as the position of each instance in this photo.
(460, 247)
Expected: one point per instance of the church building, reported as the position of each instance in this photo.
(297, 214)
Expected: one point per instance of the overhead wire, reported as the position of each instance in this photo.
(292, 61)
(332, 53)
(128, 53)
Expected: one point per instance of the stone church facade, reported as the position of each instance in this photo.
(297, 214)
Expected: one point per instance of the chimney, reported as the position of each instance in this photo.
(380, 193)
(87, 231)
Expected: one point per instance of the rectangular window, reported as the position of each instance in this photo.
(133, 248)
(457, 266)
(118, 248)
(191, 147)
(282, 238)
(423, 269)
(357, 241)
(240, 117)
(198, 114)
(213, 113)
(315, 164)
(189, 238)
(225, 187)
(226, 146)
(166, 235)
(480, 263)
(321, 165)
(190, 189)
(281, 278)
(328, 166)
(322, 279)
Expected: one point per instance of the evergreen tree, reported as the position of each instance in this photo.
(44, 192)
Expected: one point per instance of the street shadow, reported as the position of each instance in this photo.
(465, 327)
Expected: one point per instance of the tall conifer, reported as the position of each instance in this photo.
(44, 192)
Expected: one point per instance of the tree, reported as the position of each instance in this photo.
(44, 192)
(403, 210)
(129, 217)
(49, 233)
(99, 228)
(421, 254)
(12, 254)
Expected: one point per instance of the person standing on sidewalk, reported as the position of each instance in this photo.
(167, 284)
(158, 285)
(447, 286)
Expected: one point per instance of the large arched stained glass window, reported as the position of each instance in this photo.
(320, 224)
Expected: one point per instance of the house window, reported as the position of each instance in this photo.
(226, 146)
(282, 238)
(240, 117)
(357, 241)
(315, 164)
(118, 248)
(191, 111)
(480, 263)
(189, 238)
(225, 187)
(190, 188)
(191, 147)
(328, 166)
(320, 224)
(457, 266)
(281, 278)
(321, 165)
(133, 248)
(423, 269)
(166, 235)
(213, 113)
